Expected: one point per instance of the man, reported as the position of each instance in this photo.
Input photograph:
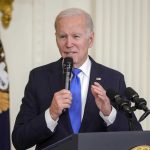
(42, 120)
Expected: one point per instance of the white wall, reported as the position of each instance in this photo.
(122, 41)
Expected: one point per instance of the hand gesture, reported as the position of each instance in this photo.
(61, 100)
(101, 99)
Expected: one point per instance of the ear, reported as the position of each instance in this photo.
(91, 39)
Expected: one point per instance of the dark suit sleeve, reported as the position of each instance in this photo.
(30, 126)
(121, 122)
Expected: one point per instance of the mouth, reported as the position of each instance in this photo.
(70, 53)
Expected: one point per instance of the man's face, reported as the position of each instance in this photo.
(73, 39)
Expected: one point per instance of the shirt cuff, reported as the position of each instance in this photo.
(51, 124)
(111, 118)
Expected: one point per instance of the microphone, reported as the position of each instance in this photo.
(121, 103)
(67, 68)
(140, 103)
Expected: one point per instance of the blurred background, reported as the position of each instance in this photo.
(122, 42)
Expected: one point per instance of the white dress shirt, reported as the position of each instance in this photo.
(84, 76)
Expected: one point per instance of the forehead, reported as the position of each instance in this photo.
(71, 22)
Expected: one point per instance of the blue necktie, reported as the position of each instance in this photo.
(75, 109)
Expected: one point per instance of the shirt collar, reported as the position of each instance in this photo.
(86, 67)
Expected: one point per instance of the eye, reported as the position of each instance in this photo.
(62, 36)
(76, 36)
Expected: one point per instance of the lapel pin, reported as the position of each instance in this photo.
(98, 79)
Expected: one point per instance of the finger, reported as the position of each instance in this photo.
(63, 94)
(67, 101)
(64, 91)
(66, 106)
(97, 90)
(98, 85)
(67, 96)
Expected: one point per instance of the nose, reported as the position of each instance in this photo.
(69, 42)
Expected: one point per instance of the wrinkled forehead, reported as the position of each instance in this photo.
(75, 17)
(74, 25)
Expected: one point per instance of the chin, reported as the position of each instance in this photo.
(75, 64)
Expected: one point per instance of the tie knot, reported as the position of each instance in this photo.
(76, 71)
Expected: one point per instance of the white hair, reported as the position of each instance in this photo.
(75, 12)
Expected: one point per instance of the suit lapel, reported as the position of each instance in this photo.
(56, 79)
(90, 108)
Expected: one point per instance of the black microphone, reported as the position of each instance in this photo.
(67, 68)
(140, 103)
(121, 103)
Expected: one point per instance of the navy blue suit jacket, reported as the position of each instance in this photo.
(30, 126)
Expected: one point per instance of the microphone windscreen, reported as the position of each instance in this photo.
(67, 64)
(68, 60)
(130, 93)
(111, 94)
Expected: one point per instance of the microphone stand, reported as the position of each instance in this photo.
(129, 114)
(146, 110)
(130, 121)
(144, 115)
